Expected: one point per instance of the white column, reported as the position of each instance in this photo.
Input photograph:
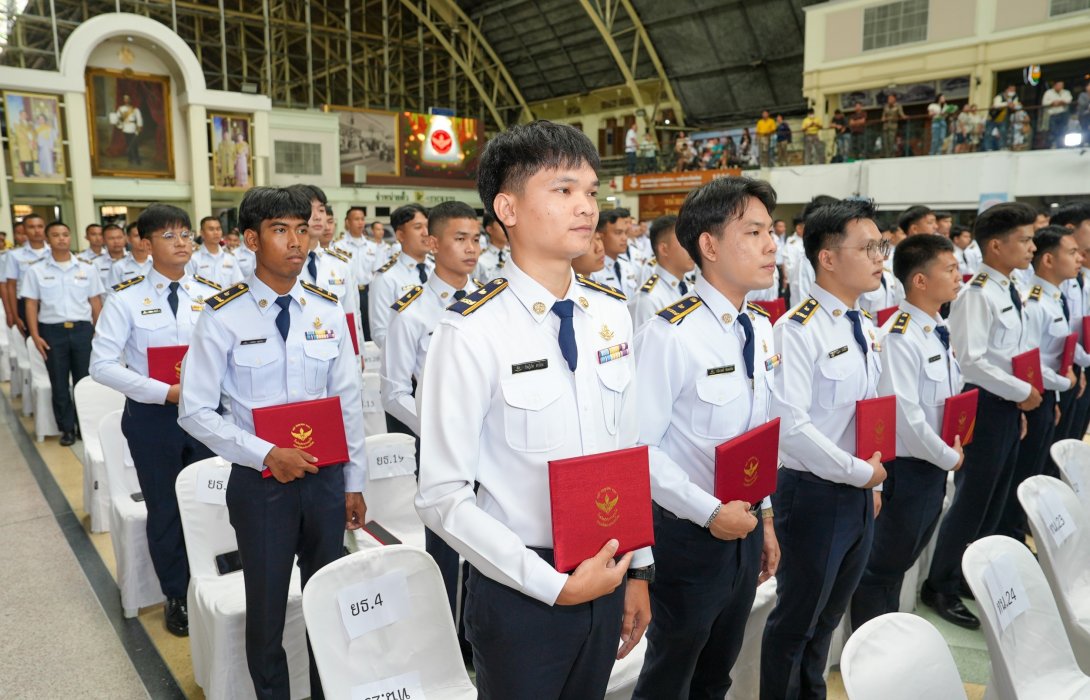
(200, 178)
(261, 149)
(5, 197)
(79, 161)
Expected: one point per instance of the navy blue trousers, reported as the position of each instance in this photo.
(68, 360)
(1032, 457)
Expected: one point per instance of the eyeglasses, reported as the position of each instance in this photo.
(171, 236)
(876, 250)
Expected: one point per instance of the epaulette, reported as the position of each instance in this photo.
(759, 310)
(1035, 293)
(805, 312)
(900, 326)
(478, 283)
(128, 283)
(323, 293)
(603, 288)
(650, 283)
(979, 280)
(208, 283)
(653, 261)
(403, 303)
(338, 254)
(679, 310)
(229, 294)
(389, 263)
(867, 314)
(475, 300)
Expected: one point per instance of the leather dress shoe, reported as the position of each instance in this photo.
(177, 617)
(949, 607)
(68, 438)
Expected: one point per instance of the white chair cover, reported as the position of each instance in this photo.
(374, 418)
(898, 656)
(217, 604)
(1031, 657)
(5, 350)
(93, 402)
(1066, 564)
(128, 522)
(41, 395)
(1073, 459)
(390, 490)
(19, 368)
(417, 641)
(372, 357)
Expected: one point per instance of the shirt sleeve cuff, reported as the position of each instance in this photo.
(545, 583)
(641, 558)
(861, 472)
(949, 459)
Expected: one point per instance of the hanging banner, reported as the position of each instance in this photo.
(671, 182)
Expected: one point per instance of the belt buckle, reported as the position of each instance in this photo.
(68, 325)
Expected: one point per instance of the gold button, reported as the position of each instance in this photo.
(727, 318)
(303, 301)
(837, 312)
(583, 302)
(159, 286)
(443, 295)
(539, 308)
(263, 303)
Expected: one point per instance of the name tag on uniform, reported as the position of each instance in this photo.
(1058, 320)
(838, 351)
(1006, 309)
(150, 312)
(720, 370)
(253, 341)
(196, 307)
(528, 366)
(935, 358)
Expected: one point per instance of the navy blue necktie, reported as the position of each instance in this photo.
(172, 298)
(857, 329)
(944, 335)
(283, 319)
(1080, 279)
(501, 257)
(422, 271)
(312, 267)
(568, 348)
(1015, 299)
(747, 346)
(885, 285)
(1063, 305)
(683, 288)
(459, 295)
(617, 270)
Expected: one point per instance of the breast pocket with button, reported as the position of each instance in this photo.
(715, 413)
(51, 291)
(151, 329)
(1006, 330)
(533, 414)
(839, 381)
(935, 387)
(256, 370)
(615, 377)
(318, 357)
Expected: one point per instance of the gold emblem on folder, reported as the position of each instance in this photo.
(606, 500)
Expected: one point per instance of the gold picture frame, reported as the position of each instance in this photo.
(35, 137)
(233, 157)
(130, 120)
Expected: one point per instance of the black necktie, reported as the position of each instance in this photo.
(944, 335)
(1063, 305)
(1015, 299)
(617, 270)
(568, 348)
(857, 329)
(422, 271)
(885, 285)
(312, 268)
(172, 298)
(459, 295)
(683, 288)
(1080, 279)
(501, 256)
(283, 319)
(747, 346)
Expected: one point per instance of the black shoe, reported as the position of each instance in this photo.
(68, 438)
(177, 617)
(949, 607)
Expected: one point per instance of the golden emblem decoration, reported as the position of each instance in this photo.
(880, 428)
(837, 312)
(147, 302)
(727, 318)
(263, 303)
(539, 308)
(750, 472)
(302, 301)
(606, 333)
(764, 346)
(178, 369)
(301, 434)
(962, 417)
(317, 323)
(606, 500)
(583, 302)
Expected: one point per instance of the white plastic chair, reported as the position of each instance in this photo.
(372, 356)
(22, 362)
(1064, 555)
(93, 402)
(15, 340)
(391, 488)
(374, 418)
(1073, 459)
(898, 656)
(415, 649)
(41, 395)
(128, 520)
(217, 604)
(5, 350)
(1031, 655)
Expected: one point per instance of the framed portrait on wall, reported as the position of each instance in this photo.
(368, 138)
(232, 156)
(130, 124)
(34, 137)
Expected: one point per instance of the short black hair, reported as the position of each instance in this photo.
(917, 252)
(956, 230)
(356, 207)
(406, 213)
(158, 217)
(88, 227)
(1000, 220)
(606, 217)
(487, 220)
(660, 228)
(940, 215)
(818, 201)
(514, 155)
(1047, 239)
(445, 211)
(263, 203)
(622, 213)
(328, 210)
(313, 192)
(826, 225)
(54, 224)
(111, 227)
(912, 215)
(1071, 214)
(711, 206)
(132, 227)
(32, 215)
(205, 220)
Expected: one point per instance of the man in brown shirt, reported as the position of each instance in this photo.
(857, 124)
(892, 114)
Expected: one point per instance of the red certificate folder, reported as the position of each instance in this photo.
(876, 427)
(165, 363)
(351, 320)
(1067, 358)
(316, 427)
(1085, 331)
(597, 498)
(884, 314)
(959, 417)
(745, 466)
(1027, 367)
(775, 308)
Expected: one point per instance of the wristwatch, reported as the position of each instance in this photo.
(644, 573)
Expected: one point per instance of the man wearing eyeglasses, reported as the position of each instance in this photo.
(155, 311)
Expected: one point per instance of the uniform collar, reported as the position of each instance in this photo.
(444, 291)
(51, 261)
(405, 260)
(214, 256)
(160, 283)
(609, 263)
(724, 311)
(538, 300)
(266, 297)
(995, 274)
(926, 322)
(666, 277)
(829, 303)
(1047, 287)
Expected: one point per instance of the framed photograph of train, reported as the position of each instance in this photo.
(368, 138)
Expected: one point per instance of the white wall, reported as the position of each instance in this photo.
(306, 127)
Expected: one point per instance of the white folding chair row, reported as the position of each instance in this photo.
(374, 418)
(18, 378)
(5, 350)
(41, 395)
(1073, 459)
(93, 402)
(22, 374)
(372, 357)
(390, 490)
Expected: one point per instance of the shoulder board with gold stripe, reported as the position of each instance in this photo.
(471, 302)
(338, 254)
(1035, 293)
(979, 280)
(900, 326)
(389, 263)
(675, 312)
(867, 314)
(229, 294)
(478, 283)
(603, 288)
(403, 303)
(805, 312)
(128, 283)
(325, 294)
(650, 283)
(757, 309)
(208, 283)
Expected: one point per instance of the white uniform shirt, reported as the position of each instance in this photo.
(393, 280)
(126, 268)
(222, 268)
(884, 297)
(804, 282)
(363, 251)
(770, 293)
(968, 263)
(1047, 329)
(793, 255)
(18, 260)
(63, 290)
(490, 264)
(1023, 279)
(236, 348)
(334, 275)
(823, 374)
(499, 403)
(1077, 292)
(136, 318)
(246, 260)
(986, 332)
(407, 342)
(695, 394)
(659, 291)
(919, 370)
(628, 281)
